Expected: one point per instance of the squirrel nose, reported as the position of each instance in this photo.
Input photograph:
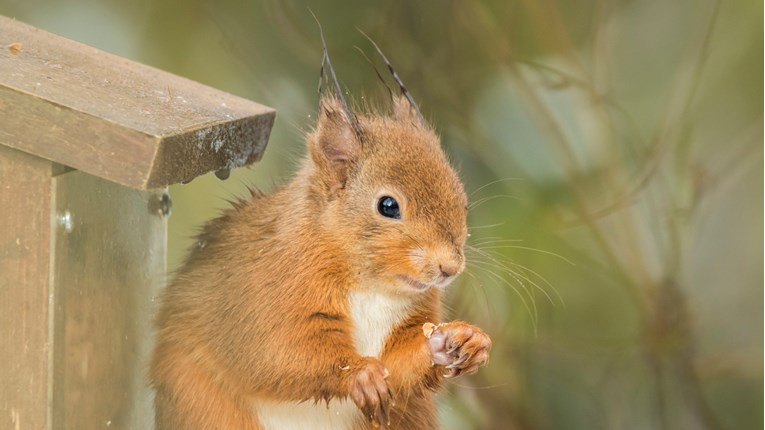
(449, 269)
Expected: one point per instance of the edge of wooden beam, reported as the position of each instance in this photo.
(117, 119)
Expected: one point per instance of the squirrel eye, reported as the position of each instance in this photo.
(388, 207)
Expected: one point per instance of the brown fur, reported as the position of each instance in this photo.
(260, 309)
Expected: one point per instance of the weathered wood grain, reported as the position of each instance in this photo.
(108, 268)
(117, 119)
(25, 258)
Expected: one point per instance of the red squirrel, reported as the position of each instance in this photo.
(312, 307)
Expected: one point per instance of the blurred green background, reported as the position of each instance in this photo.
(613, 152)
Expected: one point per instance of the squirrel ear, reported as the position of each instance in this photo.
(404, 111)
(334, 146)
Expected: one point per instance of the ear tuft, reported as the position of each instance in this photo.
(404, 111)
(334, 146)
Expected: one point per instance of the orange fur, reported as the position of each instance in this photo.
(260, 311)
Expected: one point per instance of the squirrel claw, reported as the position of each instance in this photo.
(370, 392)
(459, 361)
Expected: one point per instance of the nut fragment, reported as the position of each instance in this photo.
(428, 329)
(15, 48)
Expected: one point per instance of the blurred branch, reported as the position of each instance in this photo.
(597, 96)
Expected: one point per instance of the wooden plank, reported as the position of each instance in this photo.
(108, 267)
(25, 229)
(117, 119)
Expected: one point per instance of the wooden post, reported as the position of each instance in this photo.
(88, 144)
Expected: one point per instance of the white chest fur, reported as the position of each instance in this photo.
(339, 415)
(374, 316)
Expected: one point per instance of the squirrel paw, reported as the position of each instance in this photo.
(458, 346)
(370, 392)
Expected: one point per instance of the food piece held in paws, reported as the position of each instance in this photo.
(428, 329)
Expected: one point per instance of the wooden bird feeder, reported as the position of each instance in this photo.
(89, 143)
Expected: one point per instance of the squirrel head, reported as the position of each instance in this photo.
(383, 187)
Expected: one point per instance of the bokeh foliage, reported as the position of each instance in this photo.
(613, 152)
